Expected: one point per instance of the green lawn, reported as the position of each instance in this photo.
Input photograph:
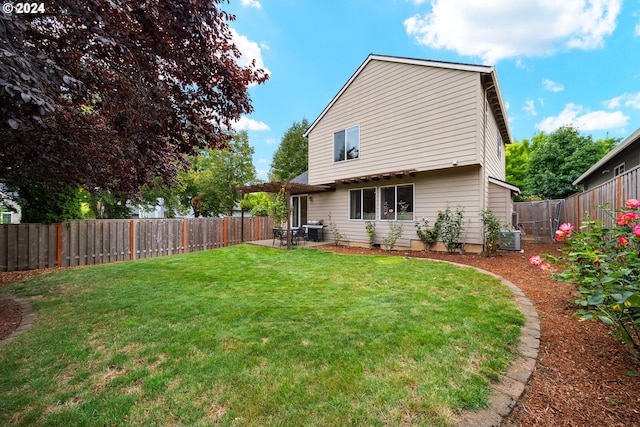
(254, 336)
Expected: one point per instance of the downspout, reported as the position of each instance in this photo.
(485, 118)
(483, 180)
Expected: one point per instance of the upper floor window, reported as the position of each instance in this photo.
(362, 203)
(396, 203)
(499, 144)
(618, 170)
(346, 144)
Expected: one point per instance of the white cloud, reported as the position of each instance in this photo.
(627, 99)
(271, 141)
(574, 115)
(262, 174)
(246, 123)
(530, 107)
(250, 50)
(251, 3)
(262, 161)
(633, 100)
(613, 102)
(499, 29)
(552, 86)
(520, 64)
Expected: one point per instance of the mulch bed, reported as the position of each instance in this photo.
(583, 376)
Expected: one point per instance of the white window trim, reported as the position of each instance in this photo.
(375, 207)
(616, 170)
(413, 195)
(345, 143)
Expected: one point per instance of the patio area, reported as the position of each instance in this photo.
(276, 244)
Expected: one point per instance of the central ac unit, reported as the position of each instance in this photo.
(510, 240)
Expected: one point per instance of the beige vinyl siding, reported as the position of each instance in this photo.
(410, 117)
(495, 164)
(432, 192)
(500, 202)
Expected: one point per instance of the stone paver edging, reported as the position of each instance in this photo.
(513, 382)
(28, 317)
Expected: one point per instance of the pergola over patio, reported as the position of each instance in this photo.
(291, 187)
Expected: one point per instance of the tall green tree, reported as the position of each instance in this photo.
(292, 156)
(517, 159)
(559, 158)
(211, 183)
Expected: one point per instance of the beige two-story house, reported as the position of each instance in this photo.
(409, 132)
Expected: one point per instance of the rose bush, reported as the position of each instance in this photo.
(604, 266)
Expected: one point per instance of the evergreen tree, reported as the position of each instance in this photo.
(292, 156)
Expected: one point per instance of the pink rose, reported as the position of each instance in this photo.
(535, 260)
(636, 231)
(626, 218)
(566, 227)
(564, 231)
(632, 204)
(623, 240)
(546, 266)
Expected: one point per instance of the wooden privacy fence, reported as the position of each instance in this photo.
(87, 242)
(539, 220)
(612, 194)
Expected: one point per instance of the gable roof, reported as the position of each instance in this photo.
(634, 137)
(489, 82)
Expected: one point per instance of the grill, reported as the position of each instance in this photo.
(315, 231)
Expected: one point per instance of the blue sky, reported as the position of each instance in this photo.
(558, 61)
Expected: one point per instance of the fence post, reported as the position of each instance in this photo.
(224, 231)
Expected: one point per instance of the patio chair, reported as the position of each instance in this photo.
(277, 234)
(301, 233)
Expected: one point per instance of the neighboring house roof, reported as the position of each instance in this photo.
(303, 178)
(634, 137)
(489, 82)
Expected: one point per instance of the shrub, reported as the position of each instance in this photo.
(395, 227)
(449, 225)
(335, 231)
(370, 226)
(491, 231)
(604, 266)
(429, 236)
